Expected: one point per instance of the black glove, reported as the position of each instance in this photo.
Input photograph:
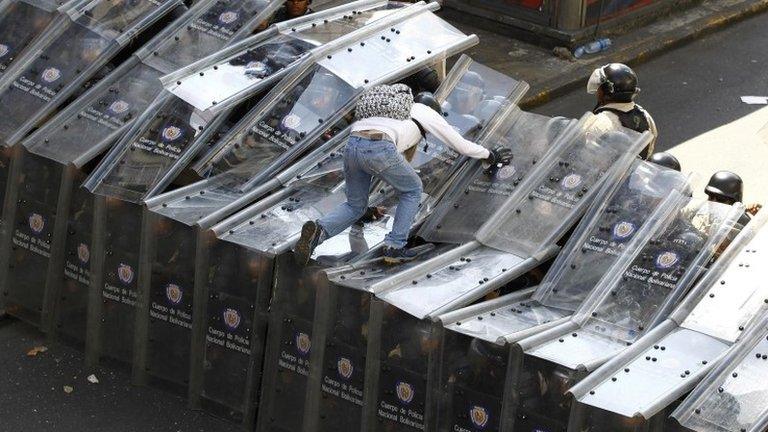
(499, 157)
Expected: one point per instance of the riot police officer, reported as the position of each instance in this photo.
(728, 188)
(615, 85)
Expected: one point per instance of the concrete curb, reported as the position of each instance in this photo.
(642, 49)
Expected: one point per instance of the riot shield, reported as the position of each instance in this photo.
(45, 78)
(659, 273)
(649, 278)
(289, 347)
(478, 196)
(220, 79)
(733, 397)
(472, 100)
(168, 133)
(399, 373)
(209, 26)
(686, 346)
(537, 214)
(21, 22)
(232, 333)
(472, 389)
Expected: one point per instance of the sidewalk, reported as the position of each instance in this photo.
(550, 76)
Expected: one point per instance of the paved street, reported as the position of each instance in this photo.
(693, 92)
(694, 95)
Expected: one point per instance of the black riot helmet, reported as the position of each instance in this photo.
(424, 80)
(618, 82)
(428, 99)
(665, 160)
(725, 187)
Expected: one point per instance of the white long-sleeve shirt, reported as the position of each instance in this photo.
(405, 134)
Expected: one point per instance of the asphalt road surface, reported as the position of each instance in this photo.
(695, 88)
(689, 91)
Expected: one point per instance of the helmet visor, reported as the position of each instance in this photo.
(595, 80)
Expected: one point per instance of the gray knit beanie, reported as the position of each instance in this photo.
(389, 101)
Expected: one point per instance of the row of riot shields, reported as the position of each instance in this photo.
(64, 151)
(44, 168)
(148, 154)
(687, 346)
(129, 274)
(47, 55)
(315, 369)
(646, 282)
(247, 247)
(349, 360)
(21, 23)
(734, 395)
(474, 391)
(71, 54)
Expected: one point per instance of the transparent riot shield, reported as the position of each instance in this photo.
(222, 78)
(402, 364)
(289, 347)
(231, 336)
(733, 397)
(21, 22)
(472, 394)
(478, 196)
(168, 131)
(631, 207)
(45, 78)
(646, 193)
(659, 273)
(668, 362)
(547, 203)
(646, 282)
(211, 25)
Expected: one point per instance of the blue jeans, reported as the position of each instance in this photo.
(363, 160)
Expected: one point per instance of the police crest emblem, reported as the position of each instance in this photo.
(174, 294)
(228, 17)
(571, 181)
(506, 172)
(36, 223)
(345, 368)
(125, 273)
(119, 107)
(622, 230)
(479, 416)
(303, 343)
(231, 318)
(51, 74)
(171, 133)
(666, 260)
(83, 253)
(292, 121)
(404, 392)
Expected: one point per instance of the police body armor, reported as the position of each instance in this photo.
(635, 119)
